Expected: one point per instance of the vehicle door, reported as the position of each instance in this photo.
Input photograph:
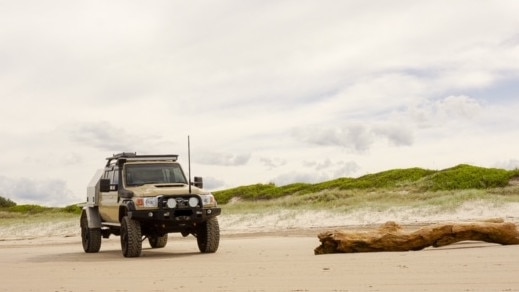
(108, 204)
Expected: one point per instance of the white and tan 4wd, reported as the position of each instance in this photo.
(147, 196)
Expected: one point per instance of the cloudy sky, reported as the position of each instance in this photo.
(269, 91)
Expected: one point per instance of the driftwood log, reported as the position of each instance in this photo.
(391, 237)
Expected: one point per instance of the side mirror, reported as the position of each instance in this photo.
(104, 185)
(199, 182)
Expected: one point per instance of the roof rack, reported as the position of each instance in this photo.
(123, 155)
(132, 156)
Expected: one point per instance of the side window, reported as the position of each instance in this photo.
(113, 176)
(115, 179)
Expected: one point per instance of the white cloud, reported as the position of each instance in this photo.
(355, 137)
(272, 163)
(451, 110)
(259, 86)
(104, 136)
(458, 107)
(30, 191)
(223, 159)
(398, 135)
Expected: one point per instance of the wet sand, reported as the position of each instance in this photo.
(253, 262)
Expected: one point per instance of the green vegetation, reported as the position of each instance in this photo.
(346, 201)
(468, 177)
(385, 180)
(413, 187)
(33, 214)
(461, 177)
(6, 202)
(36, 209)
(12, 212)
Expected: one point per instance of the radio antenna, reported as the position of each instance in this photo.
(189, 162)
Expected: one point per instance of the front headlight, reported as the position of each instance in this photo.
(149, 202)
(208, 200)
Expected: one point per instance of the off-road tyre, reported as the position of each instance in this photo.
(131, 238)
(90, 237)
(208, 236)
(158, 241)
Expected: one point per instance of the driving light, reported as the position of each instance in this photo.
(193, 202)
(172, 203)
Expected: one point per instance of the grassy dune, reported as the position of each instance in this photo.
(28, 221)
(414, 188)
(411, 195)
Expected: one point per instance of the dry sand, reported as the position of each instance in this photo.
(269, 253)
(253, 262)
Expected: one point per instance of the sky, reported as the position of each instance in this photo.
(276, 92)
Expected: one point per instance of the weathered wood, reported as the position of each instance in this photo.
(391, 237)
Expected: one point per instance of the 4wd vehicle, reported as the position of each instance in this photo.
(147, 196)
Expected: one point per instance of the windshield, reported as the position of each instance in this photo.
(142, 174)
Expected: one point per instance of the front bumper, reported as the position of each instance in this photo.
(175, 215)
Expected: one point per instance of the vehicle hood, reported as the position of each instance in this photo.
(151, 190)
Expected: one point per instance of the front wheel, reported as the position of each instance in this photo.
(90, 237)
(131, 238)
(208, 236)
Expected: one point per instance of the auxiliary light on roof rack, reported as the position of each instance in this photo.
(132, 156)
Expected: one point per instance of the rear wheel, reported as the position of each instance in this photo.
(90, 237)
(158, 241)
(131, 238)
(208, 236)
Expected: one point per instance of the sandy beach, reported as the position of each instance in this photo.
(268, 252)
(269, 261)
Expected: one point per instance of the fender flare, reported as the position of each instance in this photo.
(125, 208)
(93, 217)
